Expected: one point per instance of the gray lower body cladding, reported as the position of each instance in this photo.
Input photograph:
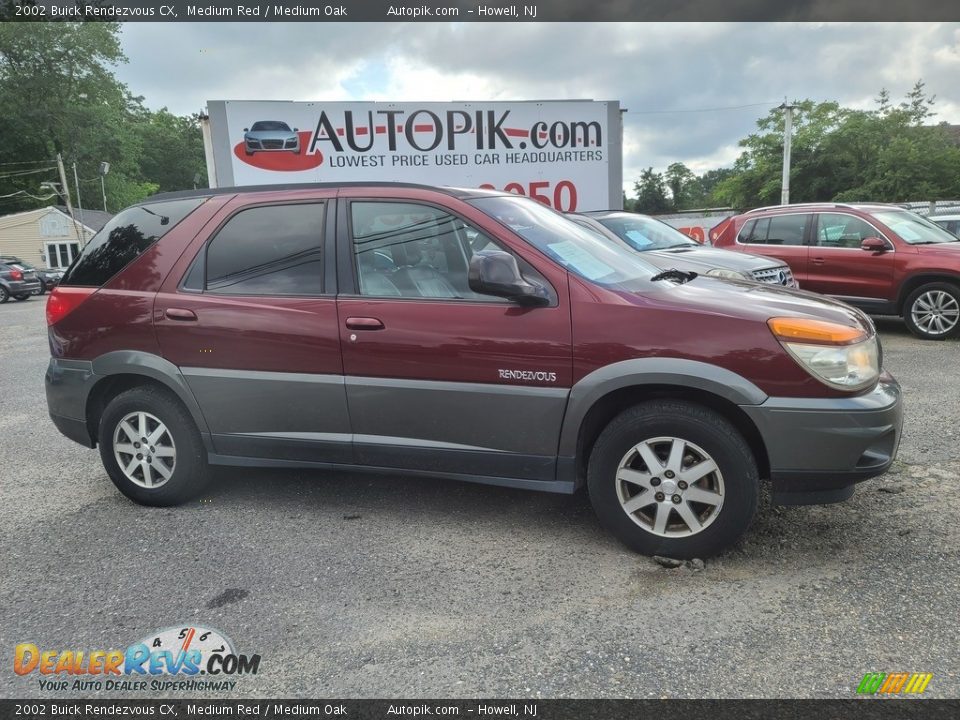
(819, 448)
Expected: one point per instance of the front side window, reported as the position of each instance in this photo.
(414, 251)
(839, 230)
(268, 250)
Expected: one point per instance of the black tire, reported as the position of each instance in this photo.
(21, 298)
(693, 423)
(908, 308)
(190, 471)
(4, 295)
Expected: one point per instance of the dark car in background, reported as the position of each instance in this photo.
(48, 278)
(880, 258)
(270, 136)
(17, 280)
(668, 248)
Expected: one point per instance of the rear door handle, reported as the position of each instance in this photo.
(817, 261)
(180, 314)
(364, 323)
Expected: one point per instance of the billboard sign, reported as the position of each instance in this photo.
(566, 154)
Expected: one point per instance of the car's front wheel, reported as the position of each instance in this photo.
(4, 295)
(932, 311)
(673, 478)
(151, 449)
(21, 298)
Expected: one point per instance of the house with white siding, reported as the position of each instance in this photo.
(47, 237)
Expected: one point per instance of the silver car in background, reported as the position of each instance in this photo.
(270, 136)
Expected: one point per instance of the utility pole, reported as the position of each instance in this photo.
(787, 137)
(76, 181)
(66, 198)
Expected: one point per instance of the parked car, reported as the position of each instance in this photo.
(948, 221)
(666, 247)
(17, 280)
(458, 333)
(48, 278)
(270, 136)
(880, 258)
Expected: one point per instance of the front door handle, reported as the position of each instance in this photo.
(817, 261)
(180, 314)
(364, 323)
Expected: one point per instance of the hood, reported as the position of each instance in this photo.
(950, 248)
(700, 259)
(756, 301)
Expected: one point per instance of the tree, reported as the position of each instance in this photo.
(686, 191)
(59, 95)
(889, 154)
(651, 194)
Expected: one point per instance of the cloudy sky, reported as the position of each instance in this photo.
(673, 78)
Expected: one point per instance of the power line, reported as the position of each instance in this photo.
(21, 173)
(28, 162)
(696, 110)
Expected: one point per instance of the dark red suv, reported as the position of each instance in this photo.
(880, 258)
(467, 334)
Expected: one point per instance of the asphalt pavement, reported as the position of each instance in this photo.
(349, 585)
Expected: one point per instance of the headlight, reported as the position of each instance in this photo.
(840, 356)
(727, 273)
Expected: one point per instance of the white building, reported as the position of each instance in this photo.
(47, 237)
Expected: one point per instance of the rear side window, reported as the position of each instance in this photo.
(778, 230)
(125, 238)
(268, 250)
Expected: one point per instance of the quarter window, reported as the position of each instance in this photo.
(269, 250)
(415, 251)
(838, 230)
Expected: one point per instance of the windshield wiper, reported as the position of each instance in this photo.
(673, 274)
(677, 247)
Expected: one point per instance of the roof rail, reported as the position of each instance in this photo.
(800, 205)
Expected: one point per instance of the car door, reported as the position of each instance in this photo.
(440, 378)
(252, 325)
(782, 237)
(839, 267)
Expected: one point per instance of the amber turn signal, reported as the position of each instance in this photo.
(819, 332)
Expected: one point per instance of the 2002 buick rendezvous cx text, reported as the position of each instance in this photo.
(467, 334)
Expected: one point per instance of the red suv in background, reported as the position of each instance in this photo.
(466, 334)
(880, 258)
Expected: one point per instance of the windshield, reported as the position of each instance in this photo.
(914, 229)
(267, 125)
(644, 233)
(584, 253)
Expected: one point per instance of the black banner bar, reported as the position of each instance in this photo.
(477, 11)
(516, 709)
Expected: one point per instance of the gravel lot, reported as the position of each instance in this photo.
(356, 586)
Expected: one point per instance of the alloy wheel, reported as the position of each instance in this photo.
(670, 487)
(935, 312)
(144, 449)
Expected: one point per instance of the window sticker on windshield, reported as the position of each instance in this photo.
(580, 260)
(638, 237)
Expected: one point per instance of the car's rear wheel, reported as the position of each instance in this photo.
(932, 311)
(673, 478)
(151, 449)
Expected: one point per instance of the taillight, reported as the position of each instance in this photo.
(64, 300)
(16, 275)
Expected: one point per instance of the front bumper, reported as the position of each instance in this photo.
(819, 448)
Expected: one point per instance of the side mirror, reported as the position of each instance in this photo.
(246, 129)
(874, 244)
(495, 272)
(296, 129)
